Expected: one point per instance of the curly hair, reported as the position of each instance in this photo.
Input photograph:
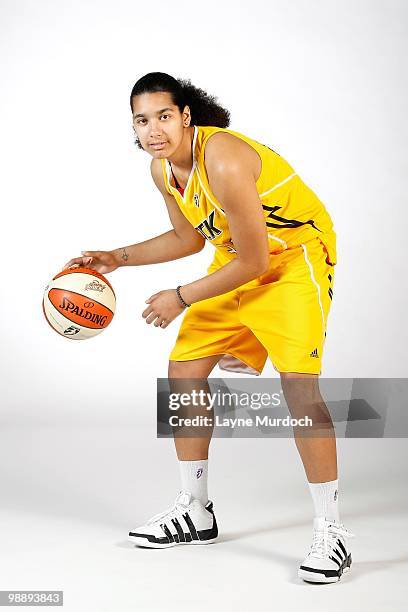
(204, 108)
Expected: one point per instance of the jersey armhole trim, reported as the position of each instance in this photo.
(235, 134)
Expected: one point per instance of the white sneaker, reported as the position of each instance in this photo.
(329, 555)
(187, 522)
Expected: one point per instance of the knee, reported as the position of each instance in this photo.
(293, 380)
(195, 368)
(297, 387)
(180, 369)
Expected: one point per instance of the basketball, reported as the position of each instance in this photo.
(79, 303)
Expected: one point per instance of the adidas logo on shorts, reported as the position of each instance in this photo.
(314, 353)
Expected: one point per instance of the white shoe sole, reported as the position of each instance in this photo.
(320, 578)
(144, 542)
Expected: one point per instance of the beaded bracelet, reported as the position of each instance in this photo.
(182, 302)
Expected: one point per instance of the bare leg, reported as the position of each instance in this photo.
(318, 454)
(194, 448)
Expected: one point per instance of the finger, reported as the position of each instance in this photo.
(89, 257)
(164, 324)
(152, 317)
(159, 321)
(151, 298)
(147, 311)
(76, 261)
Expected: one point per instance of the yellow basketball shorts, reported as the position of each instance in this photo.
(282, 314)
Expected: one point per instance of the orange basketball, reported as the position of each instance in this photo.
(79, 303)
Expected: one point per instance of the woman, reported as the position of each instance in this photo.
(267, 293)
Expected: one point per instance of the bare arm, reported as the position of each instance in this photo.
(232, 176)
(181, 241)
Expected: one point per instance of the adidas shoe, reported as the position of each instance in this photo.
(329, 556)
(187, 522)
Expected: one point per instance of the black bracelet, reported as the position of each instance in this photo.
(182, 302)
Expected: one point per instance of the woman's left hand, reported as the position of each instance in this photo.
(163, 308)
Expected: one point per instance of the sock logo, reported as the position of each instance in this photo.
(335, 495)
(199, 472)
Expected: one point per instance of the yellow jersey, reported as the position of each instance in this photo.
(293, 213)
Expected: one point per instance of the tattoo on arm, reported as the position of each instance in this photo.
(125, 256)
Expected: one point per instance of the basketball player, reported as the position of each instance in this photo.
(267, 293)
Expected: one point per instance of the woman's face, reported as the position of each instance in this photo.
(158, 123)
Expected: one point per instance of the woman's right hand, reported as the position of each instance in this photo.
(101, 261)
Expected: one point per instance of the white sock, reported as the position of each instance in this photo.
(194, 476)
(325, 497)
